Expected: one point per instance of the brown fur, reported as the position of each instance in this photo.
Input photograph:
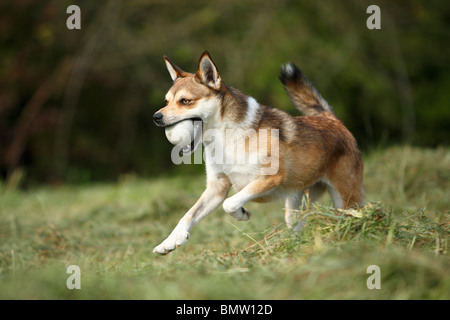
(316, 151)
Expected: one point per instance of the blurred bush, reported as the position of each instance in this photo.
(76, 105)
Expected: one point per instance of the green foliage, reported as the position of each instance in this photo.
(76, 105)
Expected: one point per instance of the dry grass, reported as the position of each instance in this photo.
(110, 230)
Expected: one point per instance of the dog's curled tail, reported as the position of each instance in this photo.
(302, 93)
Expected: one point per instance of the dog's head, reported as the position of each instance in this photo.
(192, 96)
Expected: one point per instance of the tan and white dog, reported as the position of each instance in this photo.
(314, 152)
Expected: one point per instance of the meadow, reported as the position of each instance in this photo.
(110, 229)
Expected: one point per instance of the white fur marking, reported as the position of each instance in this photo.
(235, 202)
(252, 109)
(288, 69)
(233, 205)
(177, 238)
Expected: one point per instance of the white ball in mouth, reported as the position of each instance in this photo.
(181, 133)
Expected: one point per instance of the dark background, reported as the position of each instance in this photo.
(76, 105)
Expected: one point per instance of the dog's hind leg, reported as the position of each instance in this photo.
(345, 182)
(344, 196)
(294, 202)
(291, 207)
(338, 202)
(317, 190)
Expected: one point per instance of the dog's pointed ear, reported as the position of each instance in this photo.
(207, 72)
(175, 72)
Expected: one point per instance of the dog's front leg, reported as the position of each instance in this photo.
(256, 189)
(216, 191)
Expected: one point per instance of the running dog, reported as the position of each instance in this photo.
(315, 151)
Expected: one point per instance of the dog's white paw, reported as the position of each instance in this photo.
(239, 213)
(177, 238)
(242, 214)
(230, 205)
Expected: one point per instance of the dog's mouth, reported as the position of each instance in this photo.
(198, 130)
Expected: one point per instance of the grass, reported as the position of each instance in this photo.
(109, 231)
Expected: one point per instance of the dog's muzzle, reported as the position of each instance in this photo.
(158, 118)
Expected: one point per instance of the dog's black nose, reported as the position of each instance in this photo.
(157, 118)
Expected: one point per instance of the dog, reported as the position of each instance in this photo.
(315, 151)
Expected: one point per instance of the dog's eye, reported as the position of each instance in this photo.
(166, 101)
(185, 102)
